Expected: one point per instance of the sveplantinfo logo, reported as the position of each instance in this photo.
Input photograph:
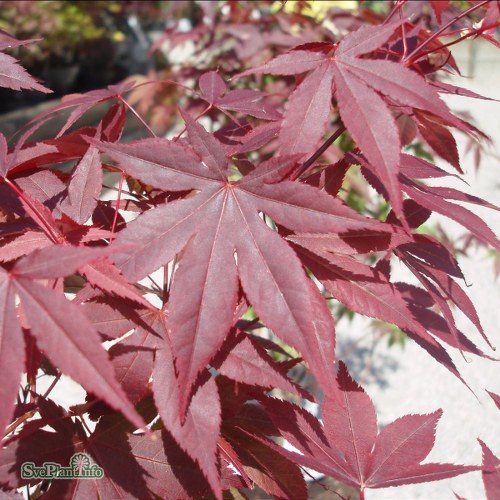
(80, 467)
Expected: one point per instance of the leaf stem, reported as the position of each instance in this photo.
(167, 81)
(155, 285)
(82, 420)
(413, 56)
(42, 222)
(167, 280)
(458, 40)
(295, 175)
(138, 116)
(52, 385)
(12, 427)
(403, 32)
(397, 5)
(204, 112)
(118, 199)
(166, 283)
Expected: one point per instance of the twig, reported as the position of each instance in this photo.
(318, 153)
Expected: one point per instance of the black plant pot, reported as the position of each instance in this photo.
(60, 78)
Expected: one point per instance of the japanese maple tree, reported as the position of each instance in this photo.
(187, 299)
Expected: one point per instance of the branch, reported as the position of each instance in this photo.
(318, 153)
(413, 56)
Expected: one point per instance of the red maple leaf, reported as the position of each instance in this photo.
(490, 473)
(133, 465)
(60, 328)
(12, 74)
(349, 446)
(366, 90)
(248, 102)
(224, 238)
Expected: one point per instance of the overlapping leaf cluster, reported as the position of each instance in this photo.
(248, 229)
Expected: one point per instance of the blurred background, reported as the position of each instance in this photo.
(83, 45)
